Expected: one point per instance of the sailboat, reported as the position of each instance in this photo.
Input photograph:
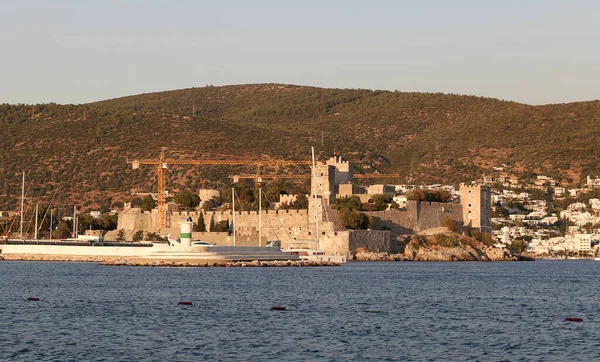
(309, 249)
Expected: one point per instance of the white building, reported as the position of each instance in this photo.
(401, 200)
(583, 242)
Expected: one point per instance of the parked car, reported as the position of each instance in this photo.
(201, 243)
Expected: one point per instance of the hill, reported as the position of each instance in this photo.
(80, 150)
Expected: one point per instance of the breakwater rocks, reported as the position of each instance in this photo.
(364, 255)
(227, 264)
(123, 261)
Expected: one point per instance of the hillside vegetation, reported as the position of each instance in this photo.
(431, 138)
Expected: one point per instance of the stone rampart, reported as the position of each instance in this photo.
(432, 214)
(416, 216)
(372, 240)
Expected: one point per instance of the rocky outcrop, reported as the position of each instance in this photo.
(463, 252)
(447, 247)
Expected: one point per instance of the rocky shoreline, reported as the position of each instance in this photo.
(428, 250)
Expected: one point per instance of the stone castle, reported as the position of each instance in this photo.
(331, 179)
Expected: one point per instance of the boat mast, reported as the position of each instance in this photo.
(259, 216)
(233, 213)
(36, 223)
(51, 211)
(314, 173)
(22, 201)
(74, 222)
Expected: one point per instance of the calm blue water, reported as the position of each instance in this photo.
(357, 312)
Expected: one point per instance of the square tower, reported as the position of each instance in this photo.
(343, 169)
(476, 206)
(325, 183)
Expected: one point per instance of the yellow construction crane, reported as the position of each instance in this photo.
(259, 177)
(162, 165)
(375, 175)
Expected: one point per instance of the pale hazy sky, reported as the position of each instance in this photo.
(80, 51)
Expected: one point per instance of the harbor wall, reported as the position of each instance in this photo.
(81, 250)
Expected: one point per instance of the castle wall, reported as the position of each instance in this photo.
(134, 219)
(432, 214)
(416, 216)
(373, 240)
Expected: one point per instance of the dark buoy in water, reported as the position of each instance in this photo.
(277, 308)
(33, 299)
(185, 303)
(574, 319)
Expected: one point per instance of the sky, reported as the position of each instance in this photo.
(79, 51)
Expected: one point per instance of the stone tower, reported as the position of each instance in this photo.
(343, 169)
(476, 206)
(326, 193)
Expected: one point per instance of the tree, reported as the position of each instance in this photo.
(136, 201)
(518, 245)
(449, 223)
(381, 202)
(222, 226)
(200, 226)
(154, 237)
(212, 223)
(353, 219)
(487, 239)
(301, 202)
(148, 203)
(63, 229)
(352, 202)
(137, 236)
(121, 235)
(430, 195)
(187, 199)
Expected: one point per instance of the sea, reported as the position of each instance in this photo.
(360, 311)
